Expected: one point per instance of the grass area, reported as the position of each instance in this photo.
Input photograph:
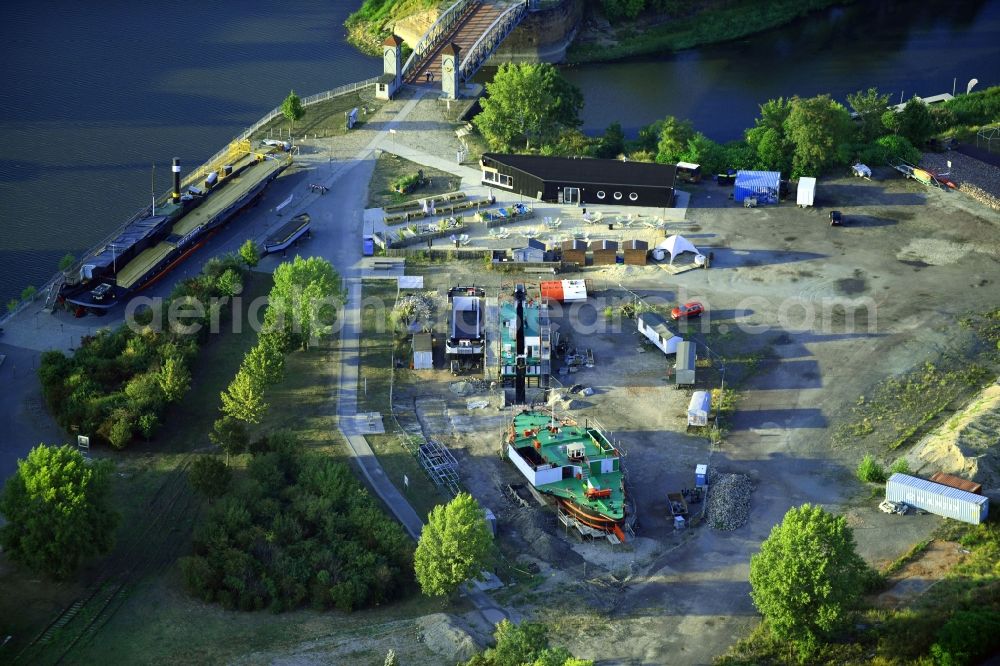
(903, 635)
(379, 344)
(719, 22)
(389, 168)
(326, 118)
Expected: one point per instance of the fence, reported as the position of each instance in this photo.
(56, 280)
(491, 39)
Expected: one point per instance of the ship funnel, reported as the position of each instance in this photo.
(176, 168)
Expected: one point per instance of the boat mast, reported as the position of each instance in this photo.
(152, 187)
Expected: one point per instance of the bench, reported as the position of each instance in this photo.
(385, 264)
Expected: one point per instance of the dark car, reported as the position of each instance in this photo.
(836, 219)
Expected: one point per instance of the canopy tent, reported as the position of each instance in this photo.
(676, 245)
(760, 184)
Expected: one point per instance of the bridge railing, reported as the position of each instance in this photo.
(491, 39)
(441, 29)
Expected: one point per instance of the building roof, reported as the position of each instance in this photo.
(574, 245)
(589, 171)
(393, 40)
(635, 244)
(657, 323)
(386, 78)
(422, 342)
(452, 49)
(606, 245)
(535, 244)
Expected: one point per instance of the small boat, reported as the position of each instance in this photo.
(288, 233)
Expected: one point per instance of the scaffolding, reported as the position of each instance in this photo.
(440, 465)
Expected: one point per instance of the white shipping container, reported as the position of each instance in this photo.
(936, 498)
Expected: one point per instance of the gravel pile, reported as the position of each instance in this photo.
(979, 180)
(728, 501)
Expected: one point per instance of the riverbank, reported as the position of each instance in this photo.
(600, 41)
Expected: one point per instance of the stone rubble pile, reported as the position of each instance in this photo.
(728, 501)
(978, 179)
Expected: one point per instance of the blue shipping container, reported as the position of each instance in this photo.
(936, 498)
(764, 185)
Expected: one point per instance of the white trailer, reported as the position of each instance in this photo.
(699, 407)
(806, 193)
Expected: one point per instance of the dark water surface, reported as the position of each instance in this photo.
(909, 47)
(94, 93)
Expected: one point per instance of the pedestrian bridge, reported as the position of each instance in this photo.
(476, 27)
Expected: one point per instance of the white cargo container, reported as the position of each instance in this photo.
(936, 498)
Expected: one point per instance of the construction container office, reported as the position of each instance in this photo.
(636, 252)
(574, 252)
(657, 331)
(581, 181)
(684, 368)
(937, 498)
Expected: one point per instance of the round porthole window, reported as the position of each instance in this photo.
(600, 194)
(618, 196)
(633, 197)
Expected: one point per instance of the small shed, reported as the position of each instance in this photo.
(700, 476)
(533, 252)
(605, 252)
(806, 192)
(765, 186)
(699, 407)
(656, 329)
(423, 354)
(574, 252)
(684, 368)
(688, 172)
(636, 252)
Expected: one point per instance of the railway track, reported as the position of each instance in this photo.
(172, 508)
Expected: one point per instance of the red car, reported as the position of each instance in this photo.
(688, 310)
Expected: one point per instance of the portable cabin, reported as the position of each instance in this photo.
(684, 367)
(564, 291)
(764, 186)
(575, 252)
(636, 252)
(699, 407)
(605, 252)
(700, 476)
(657, 331)
(806, 192)
(688, 172)
(568, 180)
(423, 355)
(533, 252)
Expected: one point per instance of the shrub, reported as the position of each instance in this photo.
(210, 476)
(900, 466)
(870, 471)
(967, 637)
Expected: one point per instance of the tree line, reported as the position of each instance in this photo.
(533, 108)
(119, 383)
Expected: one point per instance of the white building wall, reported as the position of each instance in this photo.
(550, 475)
(521, 464)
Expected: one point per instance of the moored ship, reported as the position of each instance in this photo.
(148, 247)
(577, 465)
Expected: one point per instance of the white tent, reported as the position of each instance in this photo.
(676, 245)
(806, 193)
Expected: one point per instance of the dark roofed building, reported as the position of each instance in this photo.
(572, 181)
(533, 252)
(635, 252)
(605, 252)
(574, 252)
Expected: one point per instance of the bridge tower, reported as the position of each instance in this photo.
(392, 67)
(451, 80)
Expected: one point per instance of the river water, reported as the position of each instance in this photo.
(93, 97)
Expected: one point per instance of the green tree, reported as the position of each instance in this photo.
(292, 108)
(612, 144)
(806, 576)
(897, 147)
(674, 137)
(821, 130)
(702, 150)
(210, 476)
(454, 546)
(121, 429)
(869, 106)
(916, 122)
(391, 659)
(768, 138)
(529, 103)
(58, 511)
(304, 298)
(525, 644)
(265, 363)
(67, 262)
(622, 9)
(230, 283)
(174, 379)
(244, 398)
(250, 253)
(230, 435)
(870, 471)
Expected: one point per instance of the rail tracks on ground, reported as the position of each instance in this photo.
(150, 550)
